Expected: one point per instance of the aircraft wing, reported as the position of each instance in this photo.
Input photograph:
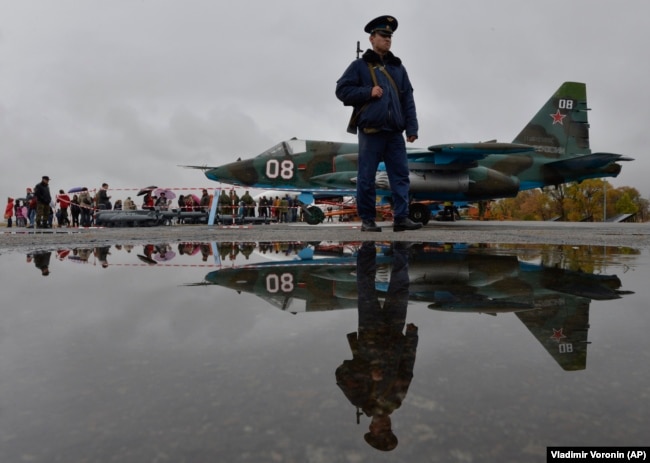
(460, 156)
(583, 167)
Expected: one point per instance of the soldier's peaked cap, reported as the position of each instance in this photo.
(386, 24)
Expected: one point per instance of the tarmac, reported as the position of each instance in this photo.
(633, 235)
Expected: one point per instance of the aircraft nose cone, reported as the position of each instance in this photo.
(235, 173)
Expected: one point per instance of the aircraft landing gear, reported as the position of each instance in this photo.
(419, 213)
(314, 215)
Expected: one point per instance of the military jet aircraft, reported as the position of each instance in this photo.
(553, 303)
(552, 149)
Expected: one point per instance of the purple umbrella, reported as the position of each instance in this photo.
(162, 257)
(76, 189)
(169, 194)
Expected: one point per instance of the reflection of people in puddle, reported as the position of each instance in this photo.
(378, 376)
(101, 253)
(42, 261)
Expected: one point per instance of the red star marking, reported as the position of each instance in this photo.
(558, 335)
(558, 117)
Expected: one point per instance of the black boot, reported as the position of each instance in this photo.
(406, 224)
(370, 226)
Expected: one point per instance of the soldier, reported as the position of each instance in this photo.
(224, 203)
(44, 199)
(249, 204)
(234, 202)
(204, 203)
(377, 378)
(379, 89)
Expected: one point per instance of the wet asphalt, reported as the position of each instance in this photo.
(636, 235)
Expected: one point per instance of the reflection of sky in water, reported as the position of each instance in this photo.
(133, 363)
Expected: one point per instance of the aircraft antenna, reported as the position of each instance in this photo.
(359, 50)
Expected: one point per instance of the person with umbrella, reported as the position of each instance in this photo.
(169, 194)
(192, 202)
(147, 201)
(162, 203)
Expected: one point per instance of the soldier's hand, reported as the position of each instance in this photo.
(411, 138)
(376, 92)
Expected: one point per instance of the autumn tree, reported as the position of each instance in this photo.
(592, 199)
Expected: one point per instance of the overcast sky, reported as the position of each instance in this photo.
(124, 91)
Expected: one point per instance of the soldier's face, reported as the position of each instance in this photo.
(381, 43)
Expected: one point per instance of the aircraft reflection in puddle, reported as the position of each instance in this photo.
(551, 297)
(551, 301)
(380, 280)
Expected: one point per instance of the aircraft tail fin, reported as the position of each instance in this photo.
(560, 129)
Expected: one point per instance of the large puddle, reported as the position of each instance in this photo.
(322, 352)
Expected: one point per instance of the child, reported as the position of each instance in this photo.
(21, 217)
(9, 211)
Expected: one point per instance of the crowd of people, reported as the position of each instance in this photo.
(278, 209)
(38, 208)
(162, 253)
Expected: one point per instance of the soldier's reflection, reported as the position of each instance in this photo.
(42, 261)
(378, 376)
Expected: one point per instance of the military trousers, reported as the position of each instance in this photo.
(388, 148)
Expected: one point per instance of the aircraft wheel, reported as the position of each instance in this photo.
(419, 213)
(314, 215)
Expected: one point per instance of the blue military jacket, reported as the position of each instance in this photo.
(391, 112)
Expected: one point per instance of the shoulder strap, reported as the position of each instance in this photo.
(383, 70)
(372, 74)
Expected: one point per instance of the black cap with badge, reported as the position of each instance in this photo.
(383, 24)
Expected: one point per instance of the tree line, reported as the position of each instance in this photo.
(594, 200)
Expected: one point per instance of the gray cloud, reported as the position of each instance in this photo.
(126, 91)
